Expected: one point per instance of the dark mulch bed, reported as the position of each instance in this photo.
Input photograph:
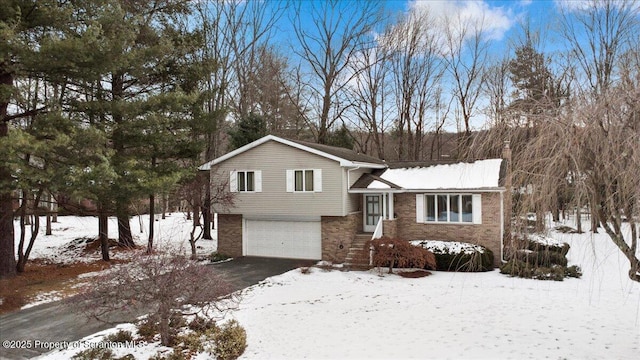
(414, 274)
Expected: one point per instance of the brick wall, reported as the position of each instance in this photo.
(486, 234)
(338, 233)
(230, 234)
(390, 228)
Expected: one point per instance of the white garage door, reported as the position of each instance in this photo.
(283, 239)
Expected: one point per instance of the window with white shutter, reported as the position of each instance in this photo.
(449, 208)
(245, 181)
(304, 180)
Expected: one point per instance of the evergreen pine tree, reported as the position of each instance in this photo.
(248, 129)
(137, 94)
(31, 39)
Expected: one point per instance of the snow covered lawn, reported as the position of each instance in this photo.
(450, 315)
(68, 247)
(347, 315)
(70, 233)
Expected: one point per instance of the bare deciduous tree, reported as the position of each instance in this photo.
(370, 94)
(598, 156)
(496, 87)
(338, 31)
(161, 285)
(466, 53)
(234, 32)
(598, 32)
(194, 194)
(270, 94)
(416, 67)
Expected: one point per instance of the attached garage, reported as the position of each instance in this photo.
(282, 238)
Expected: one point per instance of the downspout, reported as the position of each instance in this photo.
(502, 228)
(349, 177)
(506, 156)
(344, 210)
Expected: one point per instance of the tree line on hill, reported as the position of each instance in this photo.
(117, 101)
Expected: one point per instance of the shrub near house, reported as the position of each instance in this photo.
(393, 252)
(540, 257)
(458, 256)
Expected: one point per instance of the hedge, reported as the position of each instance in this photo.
(476, 260)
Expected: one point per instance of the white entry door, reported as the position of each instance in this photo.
(372, 212)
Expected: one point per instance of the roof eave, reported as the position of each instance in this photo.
(358, 164)
(428, 191)
(458, 190)
(375, 191)
(343, 162)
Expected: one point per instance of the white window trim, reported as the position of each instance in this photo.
(257, 180)
(476, 209)
(291, 183)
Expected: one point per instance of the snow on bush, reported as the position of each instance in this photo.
(544, 240)
(540, 257)
(541, 242)
(458, 256)
(448, 247)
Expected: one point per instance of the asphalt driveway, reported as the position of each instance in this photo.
(56, 322)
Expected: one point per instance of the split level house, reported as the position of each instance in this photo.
(296, 199)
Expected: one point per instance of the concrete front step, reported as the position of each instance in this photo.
(357, 258)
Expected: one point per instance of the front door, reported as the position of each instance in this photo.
(372, 212)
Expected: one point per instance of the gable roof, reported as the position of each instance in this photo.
(344, 156)
(341, 152)
(477, 175)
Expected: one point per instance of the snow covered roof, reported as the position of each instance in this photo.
(481, 174)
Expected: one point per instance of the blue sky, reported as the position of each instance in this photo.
(502, 21)
(502, 17)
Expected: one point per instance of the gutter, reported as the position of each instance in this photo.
(429, 191)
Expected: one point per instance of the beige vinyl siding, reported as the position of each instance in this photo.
(353, 202)
(274, 159)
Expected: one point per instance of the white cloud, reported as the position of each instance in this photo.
(494, 21)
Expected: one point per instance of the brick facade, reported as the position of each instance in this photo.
(230, 235)
(486, 234)
(338, 233)
(390, 228)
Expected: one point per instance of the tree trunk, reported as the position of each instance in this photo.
(165, 336)
(48, 230)
(579, 217)
(7, 245)
(206, 211)
(23, 233)
(22, 258)
(103, 233)
(594, 221)
(54, 209)
(152, 214)
(164, 208)
(196, 216)
(124, 231)
(124, 225)
(192, 242)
